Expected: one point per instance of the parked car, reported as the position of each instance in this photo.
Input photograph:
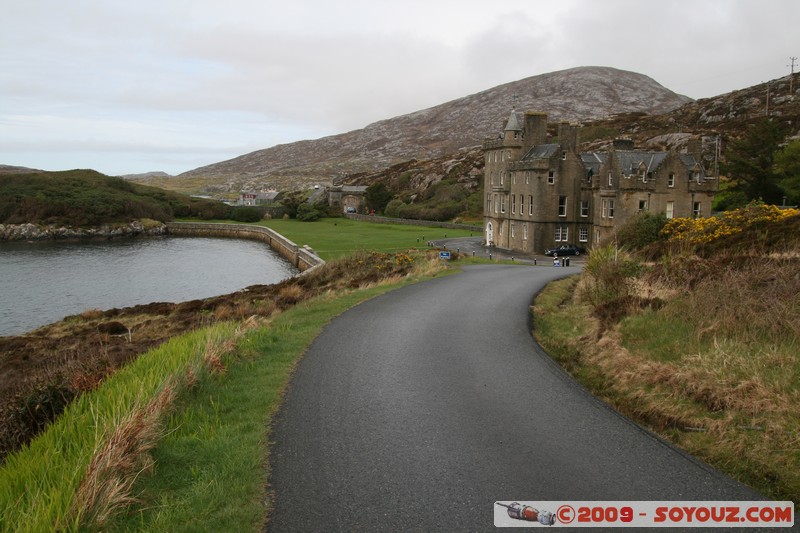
(565, 249)
(351, 209)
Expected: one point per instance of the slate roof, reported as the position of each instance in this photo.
(542, 151)
(630, 162)
(593, 160)
(513, 123)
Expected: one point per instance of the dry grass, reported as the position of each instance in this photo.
(706, 352)
(106, 487)
(217, 349)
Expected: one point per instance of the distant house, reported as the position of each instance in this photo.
(256, 197)
(541, 194)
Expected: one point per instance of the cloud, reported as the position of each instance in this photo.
(247, 73)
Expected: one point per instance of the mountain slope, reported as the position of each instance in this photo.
(578, 94)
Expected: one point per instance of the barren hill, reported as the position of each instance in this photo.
(578, 94)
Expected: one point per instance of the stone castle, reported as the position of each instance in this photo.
(542, 194)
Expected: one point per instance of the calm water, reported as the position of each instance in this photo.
(43, 282)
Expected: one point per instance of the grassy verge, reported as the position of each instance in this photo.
(712, 368)
(43, 487)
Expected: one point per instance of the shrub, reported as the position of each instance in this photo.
(700, 231)
(308, 213)
(641, 230)
(245, 214)
(607, 276)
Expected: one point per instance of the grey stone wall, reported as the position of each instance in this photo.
(302, 257)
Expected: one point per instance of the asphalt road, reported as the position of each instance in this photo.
(419, 409)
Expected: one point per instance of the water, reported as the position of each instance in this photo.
(43, 282)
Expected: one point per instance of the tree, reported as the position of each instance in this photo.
(246, 214)
(291, 201)
(378, 196)
(787, 165)
(749, 161)
(308, 213)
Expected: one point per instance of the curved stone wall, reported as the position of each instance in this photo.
(301, 257)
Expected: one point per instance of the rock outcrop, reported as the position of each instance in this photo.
(38, 232)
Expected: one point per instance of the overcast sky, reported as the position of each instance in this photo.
(139, 85)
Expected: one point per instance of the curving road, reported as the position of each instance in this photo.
(417, 410)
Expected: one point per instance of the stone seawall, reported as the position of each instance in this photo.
(301, 257)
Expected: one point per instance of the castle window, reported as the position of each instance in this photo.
(584, 208)
(488, 203)
(502, 176)
(696, 211)
(513, 230)
(496, 203)
(583, 234)
(670, 209)
(521, 204)
(525, 231)
(610, 179)
(671, 180)
(530, 205)
(528, 177)
(564, 155)
(607, 210)
(642, 205)
(562, 206)
(514, 203)
(503, 203)
(562, 233)
(551, 177)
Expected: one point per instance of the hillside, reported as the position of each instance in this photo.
(88, 198)
(726, 116)
(579, 94)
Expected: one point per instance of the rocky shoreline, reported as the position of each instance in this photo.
(39, 232)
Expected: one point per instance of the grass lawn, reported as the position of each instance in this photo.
(335, 237)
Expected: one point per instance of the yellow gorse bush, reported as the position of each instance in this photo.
(706, 230)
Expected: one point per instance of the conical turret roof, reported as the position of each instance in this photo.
(513, 123)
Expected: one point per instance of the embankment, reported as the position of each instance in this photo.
(300, 256)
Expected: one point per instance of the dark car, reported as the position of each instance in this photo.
(565, 249)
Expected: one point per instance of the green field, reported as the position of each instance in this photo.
(335, 237)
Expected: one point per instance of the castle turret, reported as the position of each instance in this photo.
(512, 130)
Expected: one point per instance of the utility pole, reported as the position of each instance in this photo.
(791, 77)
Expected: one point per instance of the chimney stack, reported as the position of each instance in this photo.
(535, 129)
